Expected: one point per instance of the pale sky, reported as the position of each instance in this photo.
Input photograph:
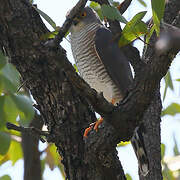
(57, 10)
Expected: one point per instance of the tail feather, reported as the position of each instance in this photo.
(137, 142)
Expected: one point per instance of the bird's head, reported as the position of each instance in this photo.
(85, 17)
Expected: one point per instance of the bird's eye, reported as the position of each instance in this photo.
(83, 14)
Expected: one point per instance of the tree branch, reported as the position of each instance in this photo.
(169, 39)
(124, 6)
(64, 110)
(67, 24)
(152, 117)
(171, 10)
(32, 162)
(28, 130)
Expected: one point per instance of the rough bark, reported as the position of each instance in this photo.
(63, 108)
(63, 98)
(32, 164)
(152, 117)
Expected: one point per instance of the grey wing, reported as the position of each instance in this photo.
(114, 60)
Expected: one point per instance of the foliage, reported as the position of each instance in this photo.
(121, 144)
(15, 107)
(112, 13)
(128, 177)
(168, 83)
(97, 8)
(47, 18)
(143, 3)
(172, 110)
(133, 29)
(158, 12)
(5, 140)
(5, 177)
(166, 163)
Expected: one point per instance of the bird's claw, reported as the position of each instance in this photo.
(95, 125)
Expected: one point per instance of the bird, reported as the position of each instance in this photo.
(103, 65)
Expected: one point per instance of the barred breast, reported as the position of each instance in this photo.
(89, 65)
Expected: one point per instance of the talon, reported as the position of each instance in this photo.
(98, 123)
(87, 131)
(95, 125)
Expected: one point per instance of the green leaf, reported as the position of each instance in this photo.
(167, 174)
(142, 3)
(46, 17)
(128, 177)
(61, 169)
(94, 5)
(175, 149)
(9, 78)
(43, 162)
(54, 153)
(5, 177)
(75, 67)
(163, 148)
(133, 29)
(97, 8)
(150, 33)
(2, 114)
(49, 35)
(5, 140)
(12, 106)
(4, 158)
(15, 151)
(168, 82)
(52, 157)
(26, 110)
(158, 12)
(112, 13)
(172, 110)
(10, 110)
(177, 79)
(3, 60)
(123, 143)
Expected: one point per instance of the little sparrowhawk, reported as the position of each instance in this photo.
(103, 66)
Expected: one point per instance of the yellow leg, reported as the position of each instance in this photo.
(96, 124)
(113, 101)
(87, 131)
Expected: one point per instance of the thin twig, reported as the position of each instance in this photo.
(124, 5)
(144, 41)
(67, 24)
(30, 130)
(23, 83)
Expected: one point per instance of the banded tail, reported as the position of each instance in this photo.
(137, 142)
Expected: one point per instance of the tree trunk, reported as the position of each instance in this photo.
(32, 163)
